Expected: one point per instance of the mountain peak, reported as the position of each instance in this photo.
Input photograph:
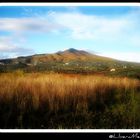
(72, 50)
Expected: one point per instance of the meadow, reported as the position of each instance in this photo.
(64, 101)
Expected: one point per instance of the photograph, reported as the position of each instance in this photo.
(73, 66)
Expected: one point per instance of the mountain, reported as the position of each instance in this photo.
(70, 61)
(61, 56)
(68, 55)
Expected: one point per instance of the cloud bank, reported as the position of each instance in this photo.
(9, 47)
(25, 25)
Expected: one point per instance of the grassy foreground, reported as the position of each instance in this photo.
(51, 101)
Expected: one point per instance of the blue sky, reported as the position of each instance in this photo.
(108, 31)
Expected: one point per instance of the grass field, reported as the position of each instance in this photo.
(51, 101)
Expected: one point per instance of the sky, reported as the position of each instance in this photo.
(112, 31)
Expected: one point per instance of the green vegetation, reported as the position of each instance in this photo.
(71, 61)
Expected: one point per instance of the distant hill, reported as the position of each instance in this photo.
(68, 56)
(71, 61)
(61, 56)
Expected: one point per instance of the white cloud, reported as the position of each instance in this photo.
(11, 48)
(12, 44)
(125, 56)
(91, 26)
(77, 25)
(20, 25)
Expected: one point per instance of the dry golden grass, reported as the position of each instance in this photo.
(62, 92)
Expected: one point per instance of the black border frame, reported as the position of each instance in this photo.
(70, 135)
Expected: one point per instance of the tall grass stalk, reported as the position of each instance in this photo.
(38, 100)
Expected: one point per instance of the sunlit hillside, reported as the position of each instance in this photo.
(71, 61)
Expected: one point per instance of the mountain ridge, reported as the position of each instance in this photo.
(70, 61)
(66, 55)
